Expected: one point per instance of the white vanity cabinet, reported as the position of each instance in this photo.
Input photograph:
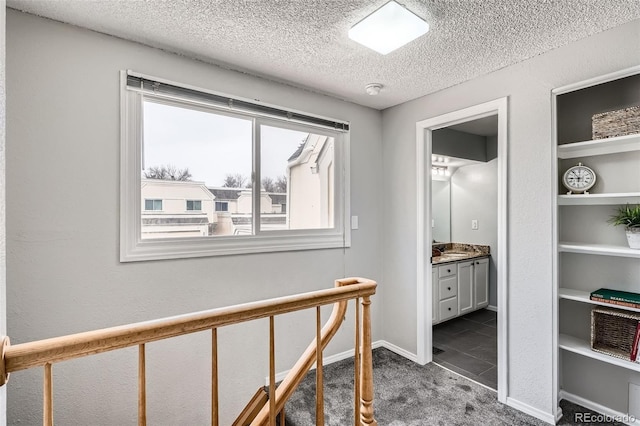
(465, 287)
(459, 288)
(447, 291)
(434, 281)
(481, 283)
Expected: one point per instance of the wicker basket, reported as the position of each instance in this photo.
(612, 331)
(616, 123)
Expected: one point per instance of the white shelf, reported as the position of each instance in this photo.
(601, 249)
(600, 146)
(584, 297)
(599, 199)
(582, 347)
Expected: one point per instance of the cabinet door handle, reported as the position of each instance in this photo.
(477, 263)
(449, 308)
(448, 270)
(449, 288)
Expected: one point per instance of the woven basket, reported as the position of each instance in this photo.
(612, 331)
(616, 123)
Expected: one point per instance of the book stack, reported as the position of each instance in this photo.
(616, 297)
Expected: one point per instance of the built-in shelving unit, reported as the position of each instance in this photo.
(585, 244)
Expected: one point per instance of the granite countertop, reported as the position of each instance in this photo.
(453, 252)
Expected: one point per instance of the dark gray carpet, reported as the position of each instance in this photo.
(407, 394)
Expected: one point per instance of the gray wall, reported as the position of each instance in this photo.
(454, 143)
(528, 86)
(492, 147)
(575, 109)
(63, 110)
(474, 195)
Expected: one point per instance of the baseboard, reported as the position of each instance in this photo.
(532, 411)
(492, 308)
(558, 414)
(616, 415)
(349, 353)
(398, 350)
(326, 360)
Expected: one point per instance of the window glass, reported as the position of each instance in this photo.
(296, 179)
(194, 205)
(153, 204)
(188, 153)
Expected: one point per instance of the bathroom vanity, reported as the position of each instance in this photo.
(460, 278)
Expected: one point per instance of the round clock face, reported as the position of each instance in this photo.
(579, 178)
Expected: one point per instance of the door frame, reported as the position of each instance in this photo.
(424, 297)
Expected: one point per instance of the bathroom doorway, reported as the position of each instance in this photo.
(435, 163)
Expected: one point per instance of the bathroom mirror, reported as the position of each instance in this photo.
(441, 210)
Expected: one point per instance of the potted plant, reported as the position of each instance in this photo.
(629, 216)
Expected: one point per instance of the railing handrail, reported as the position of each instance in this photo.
(48, 351)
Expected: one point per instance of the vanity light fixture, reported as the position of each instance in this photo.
(440, 171)
(388, 28)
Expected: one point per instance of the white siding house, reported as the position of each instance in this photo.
(172, 209)
(310, 176)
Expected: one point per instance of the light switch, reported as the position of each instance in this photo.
(354, 222)
(474, 224)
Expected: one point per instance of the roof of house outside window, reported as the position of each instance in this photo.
(297, 152)
(225, 194)
(277, 198)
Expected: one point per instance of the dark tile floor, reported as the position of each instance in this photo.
(468, 346)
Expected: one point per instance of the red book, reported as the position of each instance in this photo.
(634, 348)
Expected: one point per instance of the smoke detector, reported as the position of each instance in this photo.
(373, 88)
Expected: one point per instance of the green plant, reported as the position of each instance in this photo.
(629, 216)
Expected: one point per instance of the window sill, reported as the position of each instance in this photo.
(183, 248)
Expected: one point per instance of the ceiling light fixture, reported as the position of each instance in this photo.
(388, 28)
(373, 88)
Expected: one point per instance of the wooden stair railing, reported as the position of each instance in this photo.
(364, 381)
(50, 351)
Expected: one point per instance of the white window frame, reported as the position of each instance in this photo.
(134, 248)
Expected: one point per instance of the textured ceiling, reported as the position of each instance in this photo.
(305, 42)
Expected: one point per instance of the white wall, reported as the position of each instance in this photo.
(63, 109)
(528, 86)
(474, 196)
(3, 247)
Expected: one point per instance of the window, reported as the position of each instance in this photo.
(153, 204)
(194, 205)
(253, 178)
